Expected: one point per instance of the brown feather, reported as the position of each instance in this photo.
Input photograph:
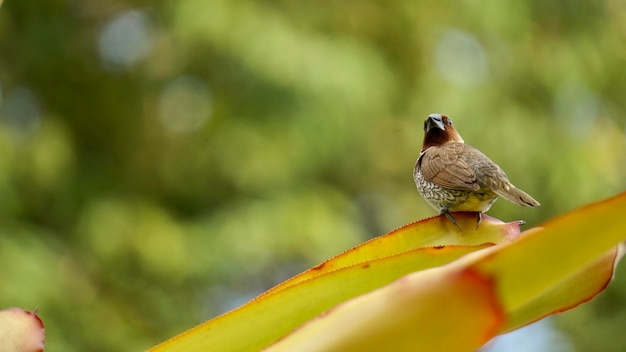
(446, 167)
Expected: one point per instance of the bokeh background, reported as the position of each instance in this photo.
(163, 162)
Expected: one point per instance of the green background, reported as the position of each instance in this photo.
(162, 162)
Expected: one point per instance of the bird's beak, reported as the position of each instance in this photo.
(434, 121)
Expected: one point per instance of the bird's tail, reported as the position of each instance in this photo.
(517, 196)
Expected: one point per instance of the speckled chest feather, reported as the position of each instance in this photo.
(453, 199)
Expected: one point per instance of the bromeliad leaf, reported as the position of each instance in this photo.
(418, 246)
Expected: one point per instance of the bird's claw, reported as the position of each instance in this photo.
(479, 218)
(446, 212)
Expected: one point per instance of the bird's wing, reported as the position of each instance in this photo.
(445, 166)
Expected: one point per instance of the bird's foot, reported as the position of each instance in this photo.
(479, 218)
(446, 212)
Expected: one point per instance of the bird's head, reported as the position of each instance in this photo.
(438, 130)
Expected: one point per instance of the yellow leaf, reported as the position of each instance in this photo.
(432, 232)
(541, 258)
(439, 303)
(566, 294)
(543, 271)
(430, 310)
(373, 264)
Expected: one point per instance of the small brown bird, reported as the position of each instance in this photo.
(452, 176)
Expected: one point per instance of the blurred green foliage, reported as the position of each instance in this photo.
(162, 162)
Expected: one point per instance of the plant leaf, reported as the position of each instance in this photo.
(407, 316)
(545, 270)
(428, 233)
(375, 263)
(567, 294)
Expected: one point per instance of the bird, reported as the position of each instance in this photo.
(455, 177)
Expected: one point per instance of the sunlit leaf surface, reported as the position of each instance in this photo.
(426, 311)
(524, 278)
(544, 271)
(426, 244)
